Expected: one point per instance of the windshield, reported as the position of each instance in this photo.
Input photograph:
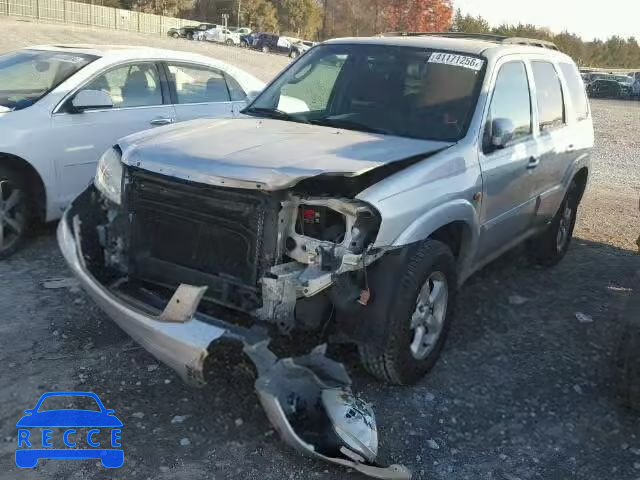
(391, 90)
(28, 75)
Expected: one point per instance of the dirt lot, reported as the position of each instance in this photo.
(523, 390)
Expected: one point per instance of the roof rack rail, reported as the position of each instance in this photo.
(533, 42)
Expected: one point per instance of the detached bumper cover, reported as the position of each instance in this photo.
(181, 346)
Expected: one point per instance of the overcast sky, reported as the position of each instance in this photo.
(588, 18)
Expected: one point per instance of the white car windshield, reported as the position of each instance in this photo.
(28, 75)
(391, 90)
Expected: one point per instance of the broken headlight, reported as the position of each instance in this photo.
(108, 178)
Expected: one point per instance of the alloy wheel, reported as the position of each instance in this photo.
(427, 320)
(12, 215)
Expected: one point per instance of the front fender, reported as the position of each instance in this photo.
(459, 210)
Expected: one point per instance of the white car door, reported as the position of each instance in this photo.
(200, 91)
(77, 140)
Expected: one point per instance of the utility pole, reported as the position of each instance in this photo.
(239, 7)
(324, 20)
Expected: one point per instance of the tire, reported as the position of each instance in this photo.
(294, 54)
(547, 249)
(175, 35)
(14, 212)
(265, 49)
(229, 42)
(395, 361)
(244, 44)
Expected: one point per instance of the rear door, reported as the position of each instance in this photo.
(199, 91)
(507, 206)
(557, 139)
(77, 140)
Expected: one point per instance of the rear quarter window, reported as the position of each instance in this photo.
(576, 90)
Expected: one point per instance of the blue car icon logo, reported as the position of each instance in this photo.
(81, 427)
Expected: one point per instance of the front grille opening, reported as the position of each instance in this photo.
(185, 232)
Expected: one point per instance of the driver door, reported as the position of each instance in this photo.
(508, 206)
(77, 140)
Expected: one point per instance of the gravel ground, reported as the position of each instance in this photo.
(523, 389)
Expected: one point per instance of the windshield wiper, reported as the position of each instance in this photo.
(274, 113)
(348, 125)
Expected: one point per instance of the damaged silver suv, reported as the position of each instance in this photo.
(363, 186)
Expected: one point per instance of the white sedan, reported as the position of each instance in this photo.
(221, 35)
(61, 107)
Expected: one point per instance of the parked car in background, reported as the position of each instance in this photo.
(174, 32)
(300, 47)
(246, 40)
(221, 35)
(626, 84)
(271, 43)
(362, 187)
(241, 30)
(61, 106)
(635, 87)
(607, 87)
(193, 32)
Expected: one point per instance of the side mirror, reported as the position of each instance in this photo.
(88, 99)
(502, 132)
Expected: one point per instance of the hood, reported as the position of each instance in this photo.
(264, 153)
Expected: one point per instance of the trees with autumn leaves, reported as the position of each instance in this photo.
(370, 17)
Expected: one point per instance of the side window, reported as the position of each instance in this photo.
(195, 84)
(511, 100)
(132, 85)
(235, 90)
(576, 90)
(549, 95)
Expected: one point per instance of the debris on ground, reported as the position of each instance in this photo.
(432, 444)
(584, 318)
(517, 300)
(62, 282)
(185, 442)
(179, 418)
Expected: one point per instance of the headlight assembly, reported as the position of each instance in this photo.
(109, 176)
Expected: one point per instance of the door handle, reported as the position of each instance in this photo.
(156, 122)
(533, 162)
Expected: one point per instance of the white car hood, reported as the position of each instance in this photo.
(264, 153)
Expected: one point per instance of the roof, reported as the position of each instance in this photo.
(474, 45)
(123, 51)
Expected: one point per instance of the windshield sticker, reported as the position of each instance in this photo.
(455, 60)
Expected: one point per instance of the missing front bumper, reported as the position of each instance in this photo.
(307, 399)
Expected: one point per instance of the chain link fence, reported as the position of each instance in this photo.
(87, 14)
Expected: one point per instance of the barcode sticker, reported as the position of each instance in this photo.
(456, 60)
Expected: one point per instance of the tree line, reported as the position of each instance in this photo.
(322, 19)
(614, 52)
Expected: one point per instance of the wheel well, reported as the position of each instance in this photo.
(581, 181)
(37, 191)
(452, 235)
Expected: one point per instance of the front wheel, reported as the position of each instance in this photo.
(229, 42)
(551, 246)
(175, 35)
(265, 49)
(14, 212)
(418, 316)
